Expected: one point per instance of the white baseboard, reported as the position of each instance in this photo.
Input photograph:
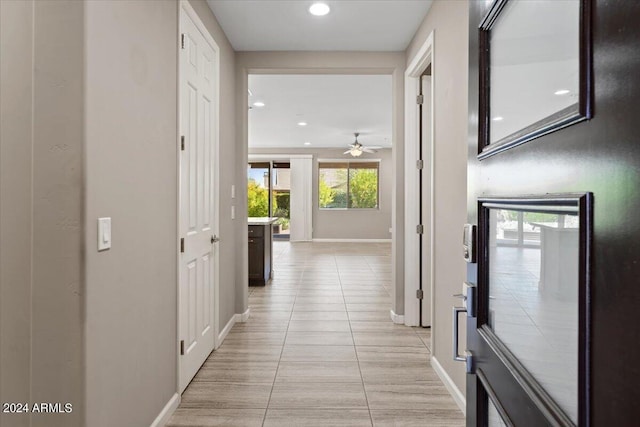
(352, 240)
(243, 317)
(225, 331)
(397, 318)
(455, 392)
(163, 417)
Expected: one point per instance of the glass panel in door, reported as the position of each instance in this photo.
(533, 297)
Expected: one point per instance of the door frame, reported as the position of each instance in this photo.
(419, 63)
(330, 63)
(186, 8)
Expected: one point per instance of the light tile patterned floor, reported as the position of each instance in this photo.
(320, 350)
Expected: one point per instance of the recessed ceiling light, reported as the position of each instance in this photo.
(498, 119)
(319, 9)
(302, 123)
(258, 104)
(561, 92)
(307, 143)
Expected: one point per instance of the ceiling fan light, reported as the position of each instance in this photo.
(356, 152)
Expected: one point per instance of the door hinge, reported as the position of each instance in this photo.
(420, 229)
(181, 347)
(420, 99)
(419, 294)
(420, 164)
(182, 41)
(182, 244)
(182, 143)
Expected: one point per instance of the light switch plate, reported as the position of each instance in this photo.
(233, 212)
(233, 191)
(104, 234)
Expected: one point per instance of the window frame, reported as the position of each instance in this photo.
(347, 164)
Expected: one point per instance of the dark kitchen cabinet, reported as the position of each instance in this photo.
(260, 241)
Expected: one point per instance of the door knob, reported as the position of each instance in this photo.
(214, 239)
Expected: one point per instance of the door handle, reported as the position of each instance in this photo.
(214, 239)
(456, 353)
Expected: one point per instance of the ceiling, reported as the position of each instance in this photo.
(333, 106)
(352, 25)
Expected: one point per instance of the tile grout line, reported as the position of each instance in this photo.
(355, 349)
(275, 377)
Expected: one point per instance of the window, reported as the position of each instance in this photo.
(348, 185)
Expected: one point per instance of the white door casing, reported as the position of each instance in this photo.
(415, 69)
(427, 203)
(198, 190)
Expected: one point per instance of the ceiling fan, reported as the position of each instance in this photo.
(356, 149)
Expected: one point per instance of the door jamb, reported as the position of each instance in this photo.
(185, 7)
(417, 66)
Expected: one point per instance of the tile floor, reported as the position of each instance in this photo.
(320, 350)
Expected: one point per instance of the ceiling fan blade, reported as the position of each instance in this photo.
(368, 150)
(347, 152)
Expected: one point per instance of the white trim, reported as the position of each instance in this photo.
(243, 317)
(397, 318)
(163, 417)
(454, 391)
(416, 68)
(186, 8)
(352, 240)
(223, 334)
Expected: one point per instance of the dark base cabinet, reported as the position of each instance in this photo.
(260, 237)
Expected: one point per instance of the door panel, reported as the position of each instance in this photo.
(598, 159)
(197, 209)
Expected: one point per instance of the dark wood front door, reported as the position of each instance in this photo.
(552, 338)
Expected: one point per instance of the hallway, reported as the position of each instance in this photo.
(320, 349)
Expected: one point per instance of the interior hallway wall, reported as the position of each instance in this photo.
(354, 223)
(449, 20)
(392, 63)
(131, 167)
(41, 173)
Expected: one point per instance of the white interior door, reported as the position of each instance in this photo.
(198, 210)
(426, 199)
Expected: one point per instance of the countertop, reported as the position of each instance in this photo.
(262, 220)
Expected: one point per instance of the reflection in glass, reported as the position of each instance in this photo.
(534, 63)
(494, 418)
(533, 296)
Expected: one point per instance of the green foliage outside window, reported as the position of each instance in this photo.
(258, 199)
(348, 186)
(363, 188)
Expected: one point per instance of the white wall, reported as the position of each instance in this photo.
(449, 21)
(347, 224)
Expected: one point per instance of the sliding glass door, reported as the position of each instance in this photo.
(269, 194)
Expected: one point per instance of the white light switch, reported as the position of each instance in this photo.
(233, 212)
(104, 234)
(233, 191)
